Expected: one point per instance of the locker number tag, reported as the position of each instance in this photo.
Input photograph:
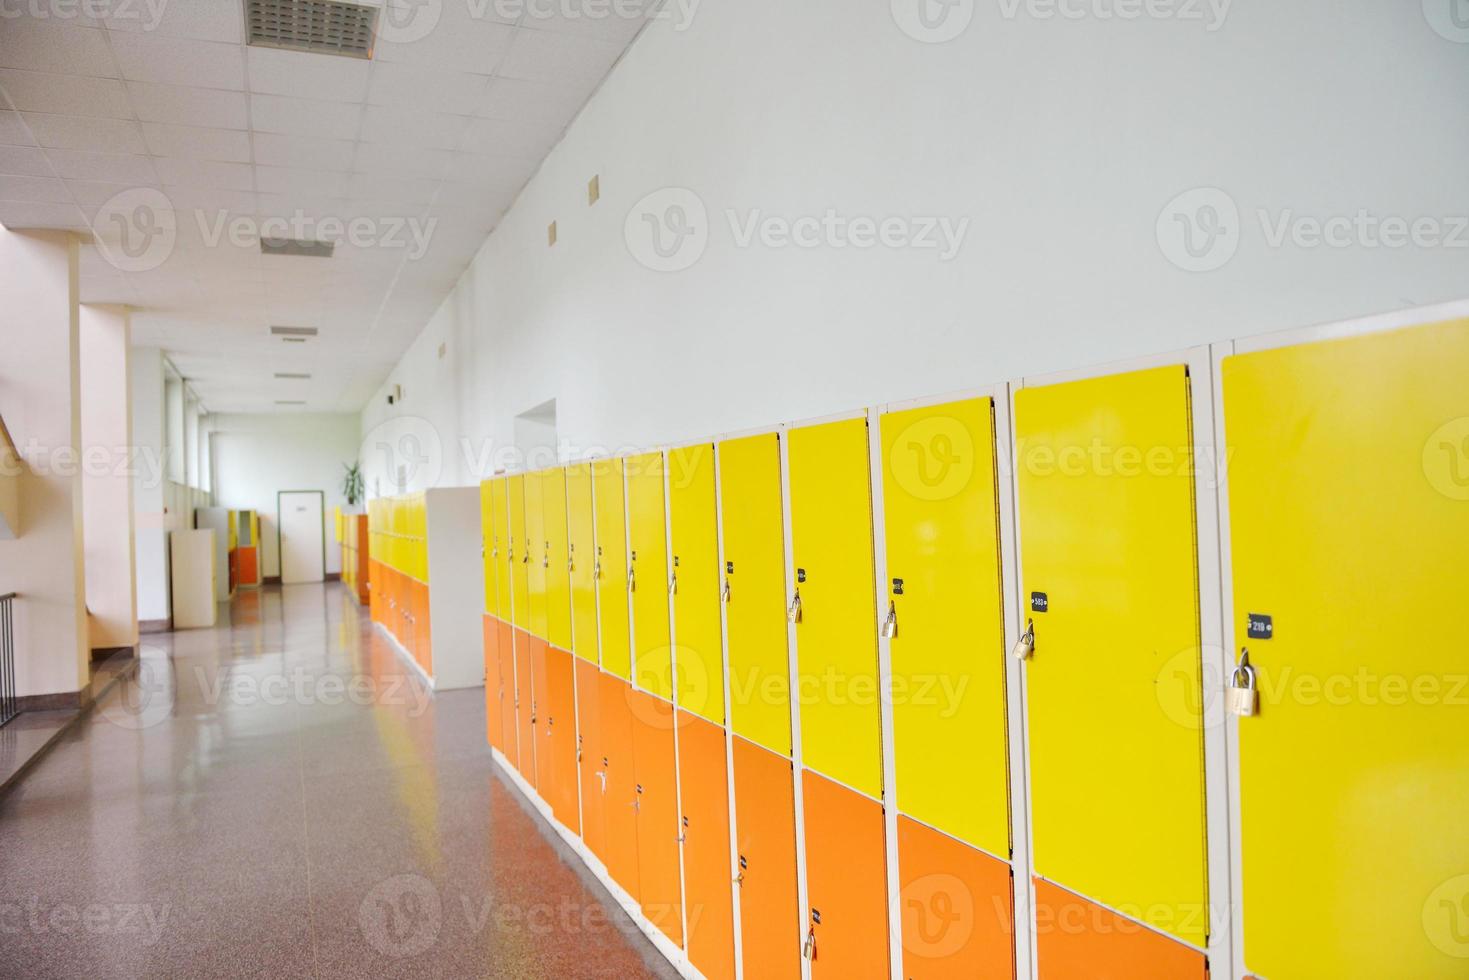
(801, 575)
(1261, 627)
(729, 568)
(897, 586)
(1039, 602)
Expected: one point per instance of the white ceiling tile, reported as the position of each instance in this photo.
(116, 167)
(516, 139)
(498, 172)
(83, 133)
(430, 89)
(312, 205)
(411, 161)
(13, 131)
(90, 193)
(273, 149)
(396, 124)
(206, 173)
(213, 199)
(458, 42)
(282, 180)
(562, 59)
(519, 100)
(391, 187)
(71, 95)
(297, 73)
(37, 44)
(197, 143)
(305, 117)
(39, 190)
(30, 214)
(185, 106)
(617, 23)
(24, 161)
(202, 20)
(177, 61)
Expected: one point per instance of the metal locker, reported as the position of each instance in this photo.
(1349, 528)
(525, 760)
(648, 574)
(946, 620)
(557, 723)
(505, 649)
(832, 603)
(494, 711)
(846, 882)
(696, 581)
(957, 907)
(500, 512)
(535, 558)
(1107, 540)
(540, 692)
(518, 552)
(1080, 940)
(489, 546)
(754, 590)
(704, 825)
(765, 825)
(655, 773)
(582, 559)
(611, 567)
(621, 798)
(558, 559)
(591, 756)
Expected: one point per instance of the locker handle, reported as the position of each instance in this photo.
(1025, 646)
(632, 581)
(596, 569)
(793, 614)
(602, 777)
(571, 564)
(739, 879)
(808, 951)
(725, 594)
(673, 584)
(890, 624)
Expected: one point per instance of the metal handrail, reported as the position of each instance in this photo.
(8, 700)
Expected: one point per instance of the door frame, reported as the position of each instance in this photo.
(280, 558)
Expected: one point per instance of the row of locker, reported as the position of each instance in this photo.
(400, 604)
(353, 536)
(697, 572)
(398, 530)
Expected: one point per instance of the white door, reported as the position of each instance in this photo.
(303, 536)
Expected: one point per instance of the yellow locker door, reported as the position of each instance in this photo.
(1111, 582)
(489, 546)
(558, 562)
(582, 552)
(500, 513)
(1349, 521)
(836, 635)
(755, 608)
(647, 538)
(693, 528)
(519, 551)
(609, 503)
(942, 519)
(535, 536)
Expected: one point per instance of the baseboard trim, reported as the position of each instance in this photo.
(333, 576)
(102, 653)
(155, 625)
(60, 701)
(271, 580)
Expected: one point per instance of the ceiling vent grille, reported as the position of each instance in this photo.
(293, 331)
(322, 26)
(292, 376)
(297, 246)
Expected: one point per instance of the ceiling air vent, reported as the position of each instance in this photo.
(293, 331)
(280, 402)
(291, 376)
(322, 26)
(296, 246)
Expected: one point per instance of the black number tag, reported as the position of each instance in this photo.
(1039, 602)
(897, 586)
(801, 575)
(1261, 627)
(729, 568)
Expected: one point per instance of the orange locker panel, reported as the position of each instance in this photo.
(704, 801)
(765, 824)
(658, 823)
(557, 707)
(494, 718)
(505, 647)
(846, 882)
(957, 906)
(524, 726)
(621, 796)
(591, 757)
(1077, 940)
(539, 708)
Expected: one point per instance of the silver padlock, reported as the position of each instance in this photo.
(793, 614)
(1242, 697)
(890, 625)
(1025, 646)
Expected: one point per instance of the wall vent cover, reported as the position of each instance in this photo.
(297, 246)
(293, 331)
(322, 26)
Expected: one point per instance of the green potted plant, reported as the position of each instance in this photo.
(353, 487)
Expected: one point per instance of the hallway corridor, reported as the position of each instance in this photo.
(281, 797)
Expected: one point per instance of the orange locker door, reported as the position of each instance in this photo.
(1078, 940)
(957, 906)
(494, 721)
(558, 737)
(423, 629)
(846, 882)
(621, 791)
(540, 708)
(524, 707)
(590, 754)
(505, 682)
(704, 798)
(765, 823)
(657, 810)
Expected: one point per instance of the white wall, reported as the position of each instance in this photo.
(257, 456)
(107, 481)
(1061, 141)
(39, 382)
(149, 479)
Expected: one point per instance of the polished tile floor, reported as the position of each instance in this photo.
(280, 797)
